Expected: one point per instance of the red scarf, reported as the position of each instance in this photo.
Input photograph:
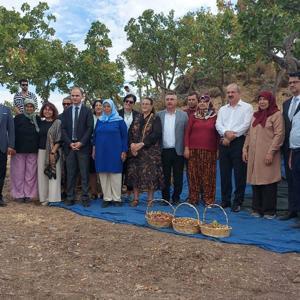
(262, 114)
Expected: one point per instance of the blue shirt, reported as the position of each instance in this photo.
(295, 132)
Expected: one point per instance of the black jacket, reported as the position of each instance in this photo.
(84, 130)
(26, 136)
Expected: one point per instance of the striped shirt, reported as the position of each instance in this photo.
(19, 100)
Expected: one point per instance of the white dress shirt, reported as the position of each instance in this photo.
(234, 118)
(128, 118)
(169, 131)
(295, 132)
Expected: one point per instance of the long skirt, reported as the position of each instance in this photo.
(202, 175)
(23, 175)
(49, 189)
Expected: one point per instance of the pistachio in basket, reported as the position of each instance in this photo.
(216, 224)
(160, 216)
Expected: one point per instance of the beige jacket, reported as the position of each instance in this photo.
(260, 141)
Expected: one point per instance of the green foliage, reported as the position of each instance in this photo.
(28, 50)
(209, 49)
(92, 68)
(154, 50)
(271, 28)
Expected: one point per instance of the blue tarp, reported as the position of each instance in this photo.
(274, 235)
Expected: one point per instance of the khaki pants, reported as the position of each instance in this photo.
(111, 186)
(49, 189)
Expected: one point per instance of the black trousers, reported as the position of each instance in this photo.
(292, 206)
(77, 161)
(3, 162)
(230, 158)
(172, 164)
(295, 172)
(265, 198)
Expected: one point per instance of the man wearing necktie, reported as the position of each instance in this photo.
(77, 127)
(291, 108)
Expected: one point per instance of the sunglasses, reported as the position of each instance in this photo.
(204, 99)
(24, 84)
(66, 104)
(129, 102)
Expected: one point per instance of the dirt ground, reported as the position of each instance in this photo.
(52, 253)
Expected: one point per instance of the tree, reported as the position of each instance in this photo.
(20, 34)
(92, 69)
(272, 30)
(209, 51)
(154, 50)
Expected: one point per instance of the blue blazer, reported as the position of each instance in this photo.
(7, 129)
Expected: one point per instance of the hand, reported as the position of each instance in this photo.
(230, 135)
(52, 158)
(186, 153)
(225, 142)
(133, 147)
(245, 156)
(11, 151)
(268, 159)
(77, 146)
(123, 156)
(139, 146)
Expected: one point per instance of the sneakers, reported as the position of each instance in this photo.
(270, 217)
(255, 214)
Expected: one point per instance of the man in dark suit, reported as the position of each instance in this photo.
(290, 108)
(7, 138)
(77, 127)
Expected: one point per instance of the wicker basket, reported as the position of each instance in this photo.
(159, 219)
(215, 229)
(184, 224)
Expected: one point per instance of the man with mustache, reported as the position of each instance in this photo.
(232, 123)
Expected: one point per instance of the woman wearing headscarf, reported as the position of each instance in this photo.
(201, 146)
(109, 151)
(49, 162)
(94, 186)
(23, 169)
(144, 172)
(261, 152)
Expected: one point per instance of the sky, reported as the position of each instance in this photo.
(73, 20)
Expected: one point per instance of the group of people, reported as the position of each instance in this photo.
(147, 150)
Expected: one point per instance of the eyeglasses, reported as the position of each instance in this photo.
(66, 104)
(293, 82)
(24, 84)
(204, 99)
(129, 102)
